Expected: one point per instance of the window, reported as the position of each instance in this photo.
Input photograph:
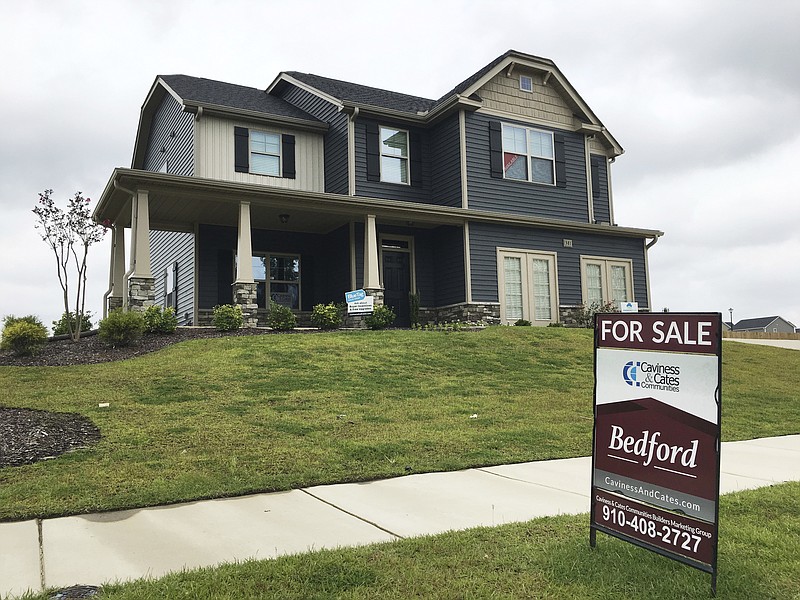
(277, 277)
(606, 280)
(525, 83)
(265, 153)
(528, 155)
(527, 285)
(171, 286)
(394, 155)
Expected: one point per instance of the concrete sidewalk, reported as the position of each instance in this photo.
(93, 549)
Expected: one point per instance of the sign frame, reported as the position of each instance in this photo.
(628, 501)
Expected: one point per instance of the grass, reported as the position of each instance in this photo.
(229, 416)
(545, 558)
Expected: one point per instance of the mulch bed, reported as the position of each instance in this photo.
(28, 436)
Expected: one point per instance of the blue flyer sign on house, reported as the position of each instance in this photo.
(358, 303)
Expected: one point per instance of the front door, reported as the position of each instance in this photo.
(397, 285)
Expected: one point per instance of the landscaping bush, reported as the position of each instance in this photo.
(381, 318)
(23, 336)
(326, 316)
(62, 326)
(522, 323)
(583, 315)
(280, 317)
(414, 301)
(228, 317)
(160, 321)
(122, 328)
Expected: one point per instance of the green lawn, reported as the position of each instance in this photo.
(545, 558)
(229, 416)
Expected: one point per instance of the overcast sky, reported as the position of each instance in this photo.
(703, 95)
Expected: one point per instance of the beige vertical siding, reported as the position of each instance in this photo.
(215, 157)
(544, 103)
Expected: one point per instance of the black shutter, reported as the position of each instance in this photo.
(373, 152)
(287, 149)
(561, 162)
(415, 151)
(241, 149)
(496, 148)
(595, 162)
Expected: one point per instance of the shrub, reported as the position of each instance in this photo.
(326, 316)
(555, 324)
(228, 317)
(381, 317)
(583, 315)
(122, 328)
(522, 323)
(62, 326)
(414, 302)
(280, 317)
(157, 320)
(23, 336)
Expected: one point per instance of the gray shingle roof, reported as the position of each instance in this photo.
(757, 322)
(208, 91)
(362, 94)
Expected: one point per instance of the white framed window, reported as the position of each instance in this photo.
(525, 83)
(394, 155)
(265, 153)
(528, 154)
(528, 286)
(277, 277)
(171, 286)
(605, 280)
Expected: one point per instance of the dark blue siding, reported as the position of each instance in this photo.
(446, 163)
(178, 149)
(602, 213)
(449, 260)
(167, 247)
(521, 197)
(335, 138)
(486, 238)
(324, 260)
(419, 191)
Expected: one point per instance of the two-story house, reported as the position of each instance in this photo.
(492, 202)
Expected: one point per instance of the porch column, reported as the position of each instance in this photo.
(244, 288)
(116, 276)
(141, 284)
(372, 282)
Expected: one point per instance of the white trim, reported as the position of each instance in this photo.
(304, 86)
(609, 162)
(529, 79)
(526, 257)
(589, 191)
(250, 151)
(646, 273)
(606, 263)
(351, 155)
(462, 153)
(196, 277)
(407, 158)
(528, 155)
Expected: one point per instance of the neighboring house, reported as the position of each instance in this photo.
(492, 202)
(765, 324)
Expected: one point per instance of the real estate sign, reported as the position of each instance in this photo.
(655, 458)
(358, 303)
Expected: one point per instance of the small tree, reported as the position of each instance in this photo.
(69, 233)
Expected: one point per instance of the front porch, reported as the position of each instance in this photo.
(249, 245)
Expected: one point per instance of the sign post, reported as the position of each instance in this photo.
(656, 442)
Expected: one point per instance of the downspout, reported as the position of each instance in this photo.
(351, 151)
(647, 266)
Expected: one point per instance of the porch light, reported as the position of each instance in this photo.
(284, 218)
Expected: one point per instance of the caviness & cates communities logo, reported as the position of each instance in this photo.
(652, 376)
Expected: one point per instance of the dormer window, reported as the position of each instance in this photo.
(394, 155)
(525, 83)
